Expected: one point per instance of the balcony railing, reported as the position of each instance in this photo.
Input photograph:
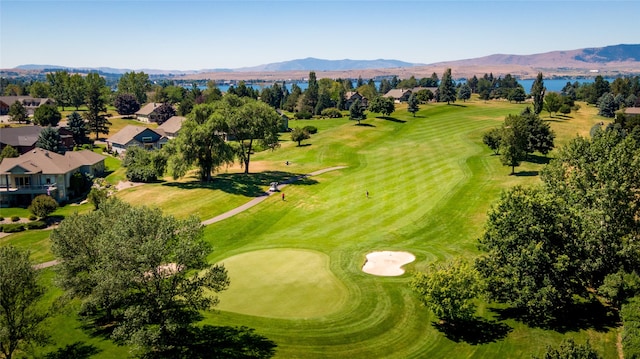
(47, 188)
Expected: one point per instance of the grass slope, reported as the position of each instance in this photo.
(431, 181)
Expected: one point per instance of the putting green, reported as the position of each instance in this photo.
(282, 283)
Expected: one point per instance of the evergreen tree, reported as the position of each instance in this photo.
(356, 111)
(96, 104)
(312, 93)
(78, 128)
(537, 91)
(464, 92)
(412, 104)
(447, 88)
(49, 139)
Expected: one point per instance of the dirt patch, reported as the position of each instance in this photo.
(387, 263)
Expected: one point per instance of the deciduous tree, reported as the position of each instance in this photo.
(126, 104)
(299, 135)
(144, 272)
(383, 105)
(449, 290)
(552, 102)
(18, 113)
(9, 152)
(59, 87)
(77, 92)
(464, 92)
(47, 115)
(137, 84)
(20, 317)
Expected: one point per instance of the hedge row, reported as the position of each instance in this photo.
(630, 314)
(19, 227)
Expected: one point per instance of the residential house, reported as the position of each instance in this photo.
(146, 113)
(171, 127)
(632, 111)
(399, 95)
(43, 172)
(136, 136)
(24, 138)
(284, 120)
(351, 96)
(29, 103)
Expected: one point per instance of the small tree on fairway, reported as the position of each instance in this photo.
(552, 102)
(493, 139)
(299, 135)
(513, 143)
(18, 113)
(449, 290)
(19, 296)
(383, 105)
(49, 139)
(43, 205)
(412, 104)
(356, 111)
(464, 92)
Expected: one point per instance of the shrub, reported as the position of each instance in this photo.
(1, 218)
(303, 115)
(15, 218)
(630, 314)
(43, 205)
(310, 129)
(13, 228)
(331, 112)
(32, 217)
(37, 225)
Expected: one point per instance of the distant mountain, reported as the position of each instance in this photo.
(616, 59)
(558, 59)
(311, 63)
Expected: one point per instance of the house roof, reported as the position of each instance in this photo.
(127, 134)
(47, 162)
(396, 93)
(10, 100)
(171, 125)
(147, 109)
(20, 136)
(632, 110)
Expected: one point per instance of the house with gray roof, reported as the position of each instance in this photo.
(24, 138)
(399, 95)
(171, 127)
(29, 103)
(43, 172)
(136, 136)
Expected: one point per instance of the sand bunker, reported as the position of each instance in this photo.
(387, 263)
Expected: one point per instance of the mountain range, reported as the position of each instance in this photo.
(620, 59)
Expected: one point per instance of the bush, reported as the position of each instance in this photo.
(32, 217)
(13, 228)
(310, 129)
(630, 314)
(15, 218)
(43, 205)
(331, 112)
(36, 225)
(1, 218)
(303, 115)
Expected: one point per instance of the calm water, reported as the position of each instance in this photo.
(552, 85)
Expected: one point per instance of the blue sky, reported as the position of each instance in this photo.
(194, 35)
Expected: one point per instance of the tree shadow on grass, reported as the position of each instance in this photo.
(474, 331)
(577, 317)
(365, 125)
(219, 342)
(248, 185)
(526, 174)
(77, 350)
(537, 159)
(457, 105)
(392, 119)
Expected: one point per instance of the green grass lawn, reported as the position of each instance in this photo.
(295, 265)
